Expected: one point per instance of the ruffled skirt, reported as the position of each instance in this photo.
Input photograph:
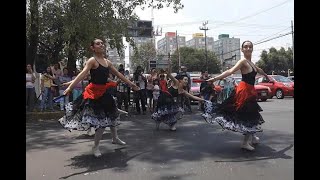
(167, 110)
(82, 114)
(240, 112)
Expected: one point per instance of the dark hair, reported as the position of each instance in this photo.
(65, 68)
(26, 67)
(121, 70)
(156, 80)
(51, 74)
(161, 75)
(245, 42)
(180, 77)
(92, 42)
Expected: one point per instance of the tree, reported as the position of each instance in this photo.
(143, 54)
(276, 61)
(51, 38)
(33, 31)
(78, 22)
(195, 60)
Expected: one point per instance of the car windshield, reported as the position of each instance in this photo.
(195, 84)
(281, 79)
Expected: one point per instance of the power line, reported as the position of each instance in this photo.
(273, 34)
(274, 38)
(259, 12)
(223, 22)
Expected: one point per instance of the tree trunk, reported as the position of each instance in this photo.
(72, 58)
(34, 31)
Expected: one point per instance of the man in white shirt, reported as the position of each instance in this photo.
(140, 80)
(122, 92)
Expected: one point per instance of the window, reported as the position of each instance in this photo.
(281, 79)
(259, 80)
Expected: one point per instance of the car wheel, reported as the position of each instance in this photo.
(264, 99)
(279, 94)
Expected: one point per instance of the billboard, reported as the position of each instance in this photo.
(197, 35)
(170, 34)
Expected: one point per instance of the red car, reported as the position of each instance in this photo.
(280, 86)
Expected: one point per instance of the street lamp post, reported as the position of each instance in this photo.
(205, 29)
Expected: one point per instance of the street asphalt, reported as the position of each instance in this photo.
(197, 150)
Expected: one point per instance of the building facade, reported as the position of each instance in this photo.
(198, 42)
(227, 50)
(115, 58)
(168, 44)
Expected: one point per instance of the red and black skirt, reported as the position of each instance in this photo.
(240, 112)
(96, 107)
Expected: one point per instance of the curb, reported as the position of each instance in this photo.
(44, 115)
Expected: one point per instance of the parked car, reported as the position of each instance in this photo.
(263, 92)
(195, 87)
(291, 78)
(280, 86)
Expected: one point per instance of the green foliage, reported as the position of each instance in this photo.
(195, 60)
(143, 54)
(278, 61)
(66, 27)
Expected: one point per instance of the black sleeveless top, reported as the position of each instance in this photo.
(99, 75)
(249, 77)
(174, 92)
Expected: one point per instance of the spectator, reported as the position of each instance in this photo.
(122, 92)
(47, 89)
(184, 100)
(63, 79)
(30, 90)
(140, 95)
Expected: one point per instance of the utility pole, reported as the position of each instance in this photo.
(177, 42)
(205, 29)
(292, 43)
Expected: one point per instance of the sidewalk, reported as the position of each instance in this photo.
(44, 115)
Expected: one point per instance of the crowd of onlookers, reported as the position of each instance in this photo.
(51, 85)
(151, 84)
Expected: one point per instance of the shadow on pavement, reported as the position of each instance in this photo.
(175, 177)
(194, 140)
(117, 159)
(264, 152)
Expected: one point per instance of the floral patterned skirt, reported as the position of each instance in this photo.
(82, 114)
(167, 110)
(240, 112)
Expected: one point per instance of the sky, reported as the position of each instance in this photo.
(254, 20)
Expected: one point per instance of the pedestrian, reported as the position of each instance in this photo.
(153, 75)
(168, 109)
(97, 108)
(141, 95)
(48, 89)
(184, 100)
(122, 92)
(63, 79)
(30, 90)
(240, 111)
